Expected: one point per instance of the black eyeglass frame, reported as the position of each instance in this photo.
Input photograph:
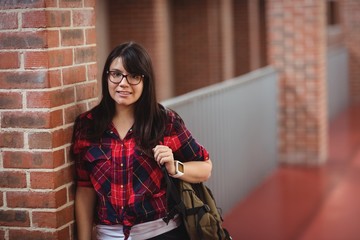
(109, 73)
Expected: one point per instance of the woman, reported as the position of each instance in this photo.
(118, 148)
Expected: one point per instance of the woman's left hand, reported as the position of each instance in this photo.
(164, 155)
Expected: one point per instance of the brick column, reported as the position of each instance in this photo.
(296, 33)
(351, 21)
(47, 77)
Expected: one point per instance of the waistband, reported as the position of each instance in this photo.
(139, 231)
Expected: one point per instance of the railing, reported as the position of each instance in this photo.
(236, 120)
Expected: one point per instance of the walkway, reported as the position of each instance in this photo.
(299, 203)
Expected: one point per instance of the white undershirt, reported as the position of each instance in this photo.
(138, 232)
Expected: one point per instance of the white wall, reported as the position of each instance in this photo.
(337, 80)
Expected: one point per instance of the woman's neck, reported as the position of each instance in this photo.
(123, 120)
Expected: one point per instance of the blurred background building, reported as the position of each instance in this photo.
(258, 82)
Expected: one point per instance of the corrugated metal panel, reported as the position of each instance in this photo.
(236, 120)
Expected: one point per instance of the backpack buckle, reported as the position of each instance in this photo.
(207, 208)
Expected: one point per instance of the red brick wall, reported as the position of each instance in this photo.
(196, 44)
(132, 21)
(47, 77)
(190, 45)
(297, 48)
(351, 26)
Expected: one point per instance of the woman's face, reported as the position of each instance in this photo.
(124, 94)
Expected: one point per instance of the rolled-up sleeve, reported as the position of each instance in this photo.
(78, 149)
(181, 141)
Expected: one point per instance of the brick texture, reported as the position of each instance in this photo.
(12, 60)
(194, 74)
(24, 39)
(10, 100)
(8, 20)
(11, 139)
(296, 48)
(47, 56)
(12, 218)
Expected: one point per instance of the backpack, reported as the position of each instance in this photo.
(196, 203)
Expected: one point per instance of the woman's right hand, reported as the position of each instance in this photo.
(164, 155)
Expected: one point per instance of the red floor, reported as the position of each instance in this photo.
(302, 203)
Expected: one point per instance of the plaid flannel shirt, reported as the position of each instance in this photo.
(129, 185)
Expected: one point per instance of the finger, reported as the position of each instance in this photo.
(167, 159)
(164, 154)
(162, 158)
(159, 150)
(157, 153)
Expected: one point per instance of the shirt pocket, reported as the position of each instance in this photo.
(147, 177)
(99, 165)
(95, 153)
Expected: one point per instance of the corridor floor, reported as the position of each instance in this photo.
(308, 203)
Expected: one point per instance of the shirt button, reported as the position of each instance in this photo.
(122, 186)
(122, 165)
(122, 207)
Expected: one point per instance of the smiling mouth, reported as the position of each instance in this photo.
(123, 93)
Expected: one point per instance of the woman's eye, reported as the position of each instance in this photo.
(117, 74)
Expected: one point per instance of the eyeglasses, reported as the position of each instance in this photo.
(116, 77)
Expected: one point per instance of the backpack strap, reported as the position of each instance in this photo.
(199, 211)
(171, 191)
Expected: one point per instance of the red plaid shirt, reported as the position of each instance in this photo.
(129, 185)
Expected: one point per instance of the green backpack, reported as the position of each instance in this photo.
(196, 203)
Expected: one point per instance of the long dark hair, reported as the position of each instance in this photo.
(150, 116)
